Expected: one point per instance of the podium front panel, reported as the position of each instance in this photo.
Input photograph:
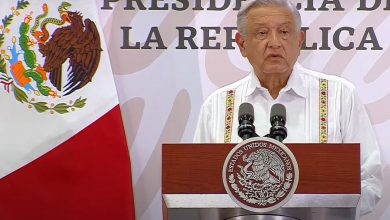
(328, 188)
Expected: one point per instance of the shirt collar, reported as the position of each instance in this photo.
(295, 83)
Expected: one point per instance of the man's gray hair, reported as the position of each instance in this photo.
(242, 14)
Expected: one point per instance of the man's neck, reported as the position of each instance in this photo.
(274, 82)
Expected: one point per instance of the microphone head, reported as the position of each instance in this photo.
(246, 111)
(278, 110)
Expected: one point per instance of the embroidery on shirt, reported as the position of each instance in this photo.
(323, 111)
(229, 115)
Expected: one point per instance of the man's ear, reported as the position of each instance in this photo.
(240, 40)
(302, 37)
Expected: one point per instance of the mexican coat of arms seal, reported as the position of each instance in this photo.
(260, 174)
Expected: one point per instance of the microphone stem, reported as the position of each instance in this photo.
(278, 138)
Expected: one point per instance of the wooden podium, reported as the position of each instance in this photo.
(328, 188)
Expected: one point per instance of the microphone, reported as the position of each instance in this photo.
(246, 129)
(278, 131)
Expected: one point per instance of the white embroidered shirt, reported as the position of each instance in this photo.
(347, 120)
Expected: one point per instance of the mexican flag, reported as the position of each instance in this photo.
(63, 150)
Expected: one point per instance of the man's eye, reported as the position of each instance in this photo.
(284, 33)
(261, 34)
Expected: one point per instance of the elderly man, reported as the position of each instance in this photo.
(320, 108)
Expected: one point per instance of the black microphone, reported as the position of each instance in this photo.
(246, 129)
(278, 131)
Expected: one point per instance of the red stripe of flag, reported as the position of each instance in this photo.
(86, 177)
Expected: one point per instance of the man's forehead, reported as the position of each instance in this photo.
(274, 14)
(270, 11)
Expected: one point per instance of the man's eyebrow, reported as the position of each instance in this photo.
(265, 23)
(288, 23)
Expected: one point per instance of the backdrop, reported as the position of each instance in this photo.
(169, 55)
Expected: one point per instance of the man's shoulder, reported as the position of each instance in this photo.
(237, 85)
(331, 79)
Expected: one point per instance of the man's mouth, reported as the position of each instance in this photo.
(275, 55)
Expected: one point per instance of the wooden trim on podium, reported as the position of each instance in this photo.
(164, 209)
(323, 168)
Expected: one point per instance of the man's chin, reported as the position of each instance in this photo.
(276, 69)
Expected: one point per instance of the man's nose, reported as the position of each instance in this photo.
(274, 40)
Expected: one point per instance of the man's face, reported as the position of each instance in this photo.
(273, 43)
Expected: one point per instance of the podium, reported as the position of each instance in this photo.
(328, 187)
